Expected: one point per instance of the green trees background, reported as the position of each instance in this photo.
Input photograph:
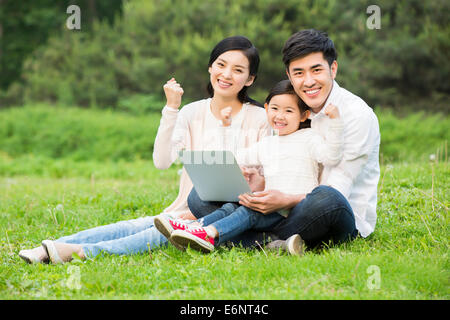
(126, 50)
(25, 26)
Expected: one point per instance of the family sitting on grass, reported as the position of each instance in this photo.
(318, 174)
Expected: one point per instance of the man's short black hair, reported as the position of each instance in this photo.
(308, 41)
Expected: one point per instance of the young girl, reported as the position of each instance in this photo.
(290, 161)
(233, 66)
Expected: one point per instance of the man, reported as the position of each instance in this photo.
(344, 205)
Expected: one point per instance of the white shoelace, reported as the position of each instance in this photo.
(196, 229)
(180, 224)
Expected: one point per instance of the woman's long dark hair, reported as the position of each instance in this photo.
(248, 49)
(285, 87)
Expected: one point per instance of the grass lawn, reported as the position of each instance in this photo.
(405, 258)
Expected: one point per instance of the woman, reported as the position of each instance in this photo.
(233, 66)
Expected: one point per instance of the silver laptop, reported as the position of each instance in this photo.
(215, 174)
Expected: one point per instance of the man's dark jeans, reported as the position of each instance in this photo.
(323, 216)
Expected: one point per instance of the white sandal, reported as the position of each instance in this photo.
(52, 252)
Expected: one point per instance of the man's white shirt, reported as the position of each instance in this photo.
(357, 175)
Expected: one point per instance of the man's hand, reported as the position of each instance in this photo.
(254, 179)
(269, 201)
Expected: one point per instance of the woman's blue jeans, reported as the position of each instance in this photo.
(122, 238)
(323, 216)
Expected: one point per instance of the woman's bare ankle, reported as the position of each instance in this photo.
(65, 251)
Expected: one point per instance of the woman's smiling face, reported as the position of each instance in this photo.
(229, 73)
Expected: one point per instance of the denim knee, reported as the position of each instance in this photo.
(230, 207)
(325, 191)
(329, 197)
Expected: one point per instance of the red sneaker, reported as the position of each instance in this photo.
(166, 225)
(196, 238)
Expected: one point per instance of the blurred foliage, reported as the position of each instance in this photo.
(139, 104)
(403, 65)
(413, 137)
(78, 134)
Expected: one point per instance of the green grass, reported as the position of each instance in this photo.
(42, 198)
